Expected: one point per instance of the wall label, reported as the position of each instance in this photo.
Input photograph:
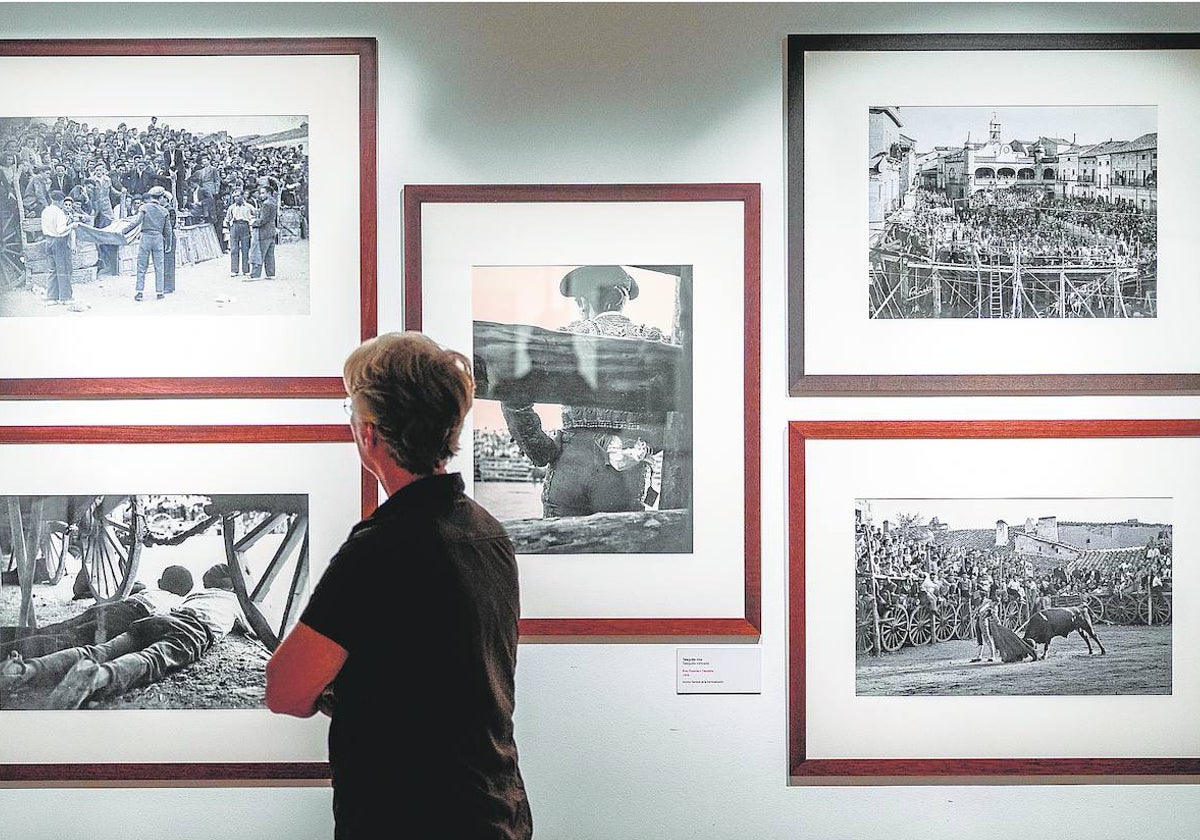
(724, 670)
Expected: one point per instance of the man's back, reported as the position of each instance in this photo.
(423, 729)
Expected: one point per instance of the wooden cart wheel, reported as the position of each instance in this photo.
(1010, 614)
(864, 635)
(893, 628)
(1141, 609)
(966, 623)
(1121, 609)
(1161, 607)
(1162, 610)
(864, 628)
(1096, 604)
(920, 626)
(111, 534)
(12, 260)
(946, 626)
(54, 550)
(259, 547)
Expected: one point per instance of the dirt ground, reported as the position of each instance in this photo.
(230, 676)
(1138, 661)
(200, 289)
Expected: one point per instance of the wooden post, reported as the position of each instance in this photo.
(1016, 291)
(677, 468)
(37, 527)
(1062, 287)
(874, 597)
(24, 566)
(978, 290)
(1150, 598)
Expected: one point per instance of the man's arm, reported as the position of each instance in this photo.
(303, 665)
(526, 428)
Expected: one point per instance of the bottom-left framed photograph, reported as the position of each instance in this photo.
(146, 575)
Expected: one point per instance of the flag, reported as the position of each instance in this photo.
(120, 232)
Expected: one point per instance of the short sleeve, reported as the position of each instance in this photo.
(330, 609)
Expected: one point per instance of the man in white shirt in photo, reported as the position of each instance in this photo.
(56, 227)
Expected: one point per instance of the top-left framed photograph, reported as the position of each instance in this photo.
(186, 218)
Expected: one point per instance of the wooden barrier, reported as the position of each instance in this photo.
(195, 244)
(291, 224)
(522, 363)
(648, 532)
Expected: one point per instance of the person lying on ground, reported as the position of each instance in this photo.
(151, 649)
(103, 621)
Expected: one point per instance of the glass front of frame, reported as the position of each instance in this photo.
(1023, 223)
(979, 621)
(611, 432)
(178, 567)
(557, 472)
(201, 237)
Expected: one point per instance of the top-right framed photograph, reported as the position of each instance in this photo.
(983, 214)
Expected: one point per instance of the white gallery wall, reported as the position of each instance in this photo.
(549, 93)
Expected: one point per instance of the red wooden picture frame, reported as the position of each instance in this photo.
(366, 51)
(234, 434)
(802, 381)
(417, 197)
(810, 770)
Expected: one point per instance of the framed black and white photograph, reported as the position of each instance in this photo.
(1022, 224)
(571, 427)
(146, 575)
(211, 230)
(615, 430)
(1061, 224)
(108, 168)
(952, 587)
(968, 598)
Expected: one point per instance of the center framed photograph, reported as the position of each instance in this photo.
(969, 598)
(982, 214)
(167, 229)
(615, 432)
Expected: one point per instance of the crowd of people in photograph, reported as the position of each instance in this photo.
(153, 180)
(492, 444)
(1029, 226)
(912, 570)
(106, 172)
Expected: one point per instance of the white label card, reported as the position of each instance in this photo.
(727, 670)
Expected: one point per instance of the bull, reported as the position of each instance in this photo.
(1045, 624)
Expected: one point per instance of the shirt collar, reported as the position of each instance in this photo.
(425, 492)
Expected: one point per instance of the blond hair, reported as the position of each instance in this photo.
(415, 392)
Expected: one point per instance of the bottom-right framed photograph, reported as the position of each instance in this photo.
(993, 599)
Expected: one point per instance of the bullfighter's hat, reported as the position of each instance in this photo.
(587, 278)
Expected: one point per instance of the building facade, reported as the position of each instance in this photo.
(1135, 173)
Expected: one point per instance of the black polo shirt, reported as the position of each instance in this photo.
(423, 596)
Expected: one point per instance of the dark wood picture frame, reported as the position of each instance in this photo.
(416, 197)
(910, 770)
(366, 51)
(803, 383)
(203, 771)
